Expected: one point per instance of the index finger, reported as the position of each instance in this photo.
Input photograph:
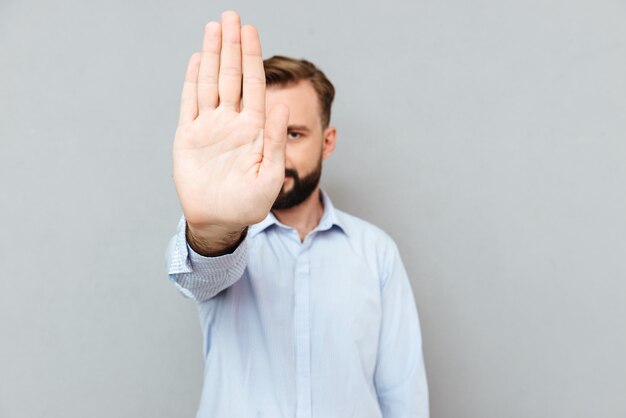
(253, 72)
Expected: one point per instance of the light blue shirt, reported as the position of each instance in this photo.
(317, 329)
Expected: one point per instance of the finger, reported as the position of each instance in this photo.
(253, 72)
(230, 61)
(209, 67)
(189, 97)
(275, 137)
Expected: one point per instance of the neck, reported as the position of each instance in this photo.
(304, 217)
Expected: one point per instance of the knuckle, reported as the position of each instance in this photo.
(206, 79)
(230, 71)
(251, 119)
(187, 101)
(254, 80)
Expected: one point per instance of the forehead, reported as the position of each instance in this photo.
(300, 98)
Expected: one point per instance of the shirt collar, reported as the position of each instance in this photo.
(329, 219)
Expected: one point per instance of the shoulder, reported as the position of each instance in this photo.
(376, 247)
(372, 239)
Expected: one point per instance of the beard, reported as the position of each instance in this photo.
(301, 190)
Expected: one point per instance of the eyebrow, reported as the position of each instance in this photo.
(298, 128)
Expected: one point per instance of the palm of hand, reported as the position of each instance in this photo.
(228, 158)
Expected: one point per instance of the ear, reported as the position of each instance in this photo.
(330, 138)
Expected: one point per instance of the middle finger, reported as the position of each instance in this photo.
(230, 61)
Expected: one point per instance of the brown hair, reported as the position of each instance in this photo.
(283, 71)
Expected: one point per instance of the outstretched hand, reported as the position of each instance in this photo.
(229, 158)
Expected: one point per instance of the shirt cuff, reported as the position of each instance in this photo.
(200, 277)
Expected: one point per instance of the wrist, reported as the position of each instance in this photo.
(214, 240)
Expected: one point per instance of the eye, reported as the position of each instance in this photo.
(294, 135)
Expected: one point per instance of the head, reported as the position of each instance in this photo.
(308, 94)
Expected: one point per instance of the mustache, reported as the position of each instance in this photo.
(290, 172)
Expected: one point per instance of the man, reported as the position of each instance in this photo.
(306, 311)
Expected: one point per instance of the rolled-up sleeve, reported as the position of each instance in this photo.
(199, 277)
(400, 376)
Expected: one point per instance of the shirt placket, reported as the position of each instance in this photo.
(303, 336)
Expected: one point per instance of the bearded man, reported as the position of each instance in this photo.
(306, 311)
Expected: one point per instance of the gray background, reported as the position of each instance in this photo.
(487, 137)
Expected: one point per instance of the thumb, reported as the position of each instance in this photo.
(275, 136)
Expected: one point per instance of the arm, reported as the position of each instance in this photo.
(400, 376)
(228, 158)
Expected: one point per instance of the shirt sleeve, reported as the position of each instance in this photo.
(400, 376)
(198, 277)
